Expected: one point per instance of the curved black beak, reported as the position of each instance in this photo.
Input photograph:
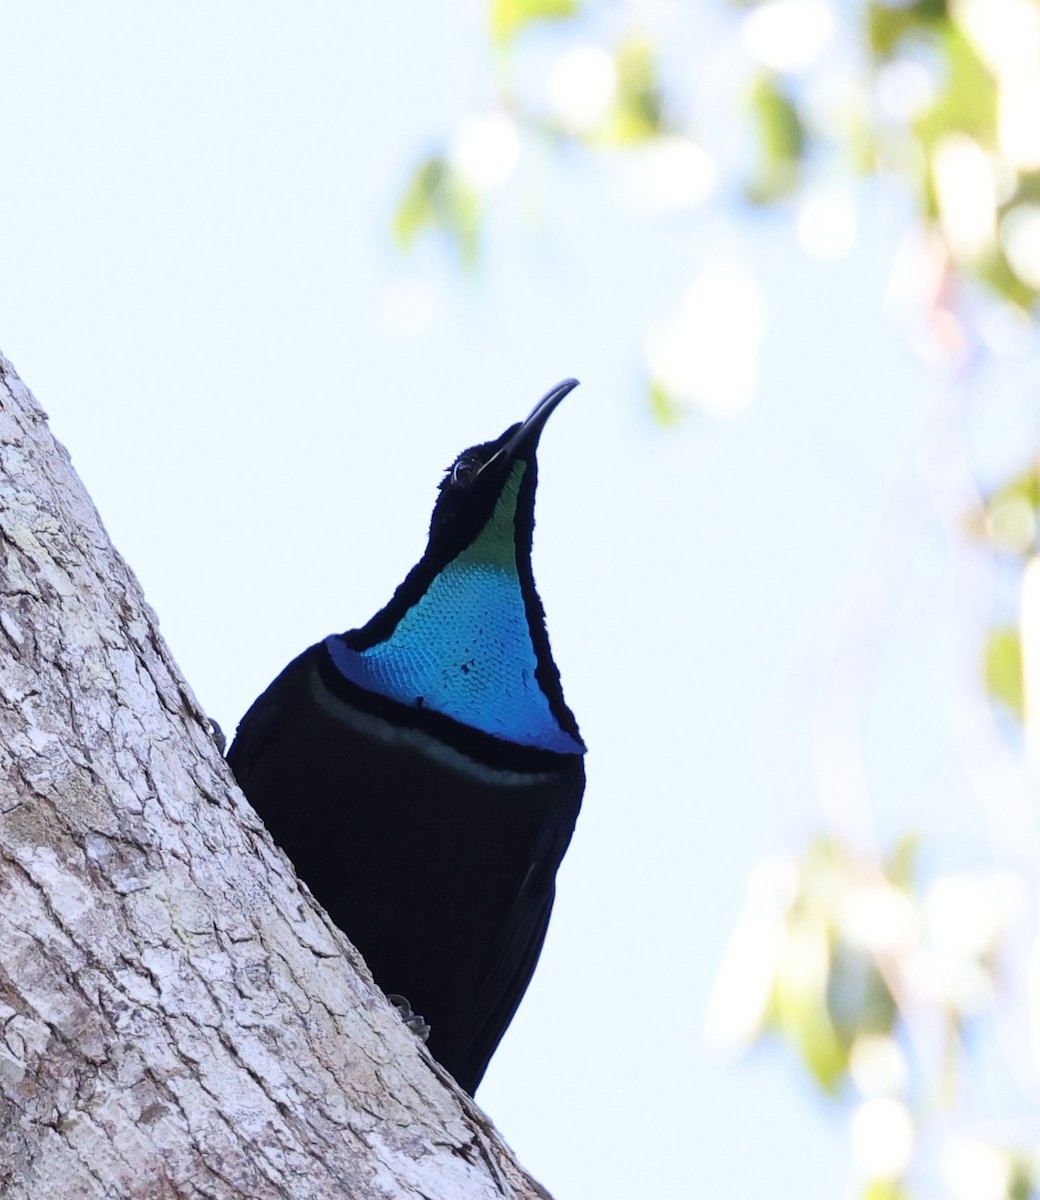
(526, 434)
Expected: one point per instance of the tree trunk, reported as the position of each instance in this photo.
(177, 1016)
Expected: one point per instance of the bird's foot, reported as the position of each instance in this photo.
(415, 1023)
(217, 734)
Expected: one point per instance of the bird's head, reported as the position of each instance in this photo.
(489, 489)
(464, 635)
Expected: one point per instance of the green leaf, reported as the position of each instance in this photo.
(1009, 517)
(1003, 669)
(1024, 1184)
(638, 106)
(1028, 188)
(858, 998)
(902, 862)
(510, 17)
(665, 409)
(1024, 486)
(997, 272)
(885, 1189)
(888, 24)
(415, 209)
(968, 100)
(967, 104)
(781, 139)
(439, 198)
(799, 1003)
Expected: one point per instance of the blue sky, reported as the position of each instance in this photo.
(261, 394)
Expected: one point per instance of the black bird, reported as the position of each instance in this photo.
(424, 773)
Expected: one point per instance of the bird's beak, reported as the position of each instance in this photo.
(528, 432)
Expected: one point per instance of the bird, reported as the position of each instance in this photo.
(423, 772)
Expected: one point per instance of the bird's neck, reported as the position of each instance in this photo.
(465, 647)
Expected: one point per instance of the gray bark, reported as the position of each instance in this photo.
(177, 1016)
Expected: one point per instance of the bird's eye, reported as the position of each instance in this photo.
(464, 471)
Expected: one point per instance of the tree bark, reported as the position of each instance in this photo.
(178, 1018)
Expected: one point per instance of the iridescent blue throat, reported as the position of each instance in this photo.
(464, 648)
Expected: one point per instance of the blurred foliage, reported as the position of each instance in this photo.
(780, 135)
(885, 1189)
(876, 980)
(509, 17)
(966, 100)
(1008, 520)
(637, 113)
(959, 65)
(664, 408)
(1003, 669)
(439, 198)
(888, 24)
(873, 974)
(827, 989)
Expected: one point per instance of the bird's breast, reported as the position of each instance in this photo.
(464, 649)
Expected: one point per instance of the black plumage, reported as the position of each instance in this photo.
(424, 772)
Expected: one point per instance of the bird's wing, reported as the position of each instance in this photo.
(516, 952)
(258, 727)
(253, 734)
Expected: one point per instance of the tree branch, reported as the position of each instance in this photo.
(177, 1016)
